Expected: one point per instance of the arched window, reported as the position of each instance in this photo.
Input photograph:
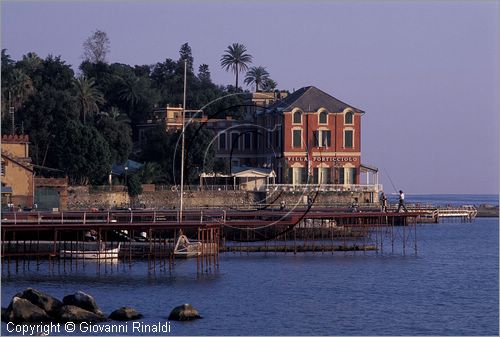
(349, 117)
(297, 117)
(323, 117)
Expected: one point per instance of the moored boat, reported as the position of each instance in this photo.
(100, 254)
(187, 249)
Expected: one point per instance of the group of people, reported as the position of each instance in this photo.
(401, 202)
(12, 208)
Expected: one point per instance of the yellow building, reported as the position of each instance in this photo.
(17, 171)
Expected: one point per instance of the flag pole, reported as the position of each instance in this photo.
(182, 135)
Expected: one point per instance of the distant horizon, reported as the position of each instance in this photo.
(431, 100)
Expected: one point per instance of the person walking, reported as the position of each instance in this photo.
(383, 202)
(401, 202)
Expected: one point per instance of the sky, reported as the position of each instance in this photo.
(426, 73)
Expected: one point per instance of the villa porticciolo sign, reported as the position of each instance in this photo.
(325, 159)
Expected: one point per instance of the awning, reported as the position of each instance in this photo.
(132, 166)
(368, 168)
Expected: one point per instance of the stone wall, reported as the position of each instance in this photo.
(81, 197)
(321, 199)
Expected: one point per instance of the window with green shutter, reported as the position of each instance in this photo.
(297, 138)
(348, 138)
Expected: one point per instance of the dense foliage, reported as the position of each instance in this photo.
(81, 124)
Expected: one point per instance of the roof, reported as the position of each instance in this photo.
(243, 171)
(311, 99)
(132, 166)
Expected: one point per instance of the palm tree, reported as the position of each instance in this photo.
(131, 92)
(236, 59)
(16, 91)
(257, 75)
(31, 62)
(269, 85)
(88, 96)
(20, 88)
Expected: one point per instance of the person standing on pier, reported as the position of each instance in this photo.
(355, 205)
(401, 202)
(383, 202)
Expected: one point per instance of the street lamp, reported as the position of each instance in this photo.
(126, 170)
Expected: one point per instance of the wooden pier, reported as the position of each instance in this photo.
(151, 234)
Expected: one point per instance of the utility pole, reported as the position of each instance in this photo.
(11, 111)
(183, 136)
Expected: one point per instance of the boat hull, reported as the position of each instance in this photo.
(90, 254)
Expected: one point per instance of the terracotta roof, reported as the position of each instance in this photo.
(311, 99)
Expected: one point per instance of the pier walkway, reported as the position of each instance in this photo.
(152, 234)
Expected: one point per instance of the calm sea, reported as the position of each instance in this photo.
(449, 288)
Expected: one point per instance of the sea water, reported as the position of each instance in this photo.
(450, 287)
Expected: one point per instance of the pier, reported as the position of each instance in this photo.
(152, 234)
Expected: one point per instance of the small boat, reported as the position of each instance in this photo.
(186, 249)
(100, 254)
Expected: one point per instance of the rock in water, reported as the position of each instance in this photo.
(185, 312)
(71, 313)
(125, 314)
(21, 310)
(84, 301)
(42, 300)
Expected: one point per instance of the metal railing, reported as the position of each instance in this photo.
(326, 187)
(198, 188)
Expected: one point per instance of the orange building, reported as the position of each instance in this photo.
(17, 171)
(308, 136)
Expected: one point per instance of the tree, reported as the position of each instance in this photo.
(48, 109)
(269, 85)
(118, 135)
(134, 185)
(151, 173)
(20, 88)
(30, 63)
(236, 59)
(96, 47)
(88, 97)
(82, 153)
(204, 74)
(186, 55)
(256, 75)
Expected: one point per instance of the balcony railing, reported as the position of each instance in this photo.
(326, 187)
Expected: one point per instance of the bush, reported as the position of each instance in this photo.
(134, 185)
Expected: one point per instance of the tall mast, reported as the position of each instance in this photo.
(182, 135)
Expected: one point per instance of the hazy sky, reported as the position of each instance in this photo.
(426, 73)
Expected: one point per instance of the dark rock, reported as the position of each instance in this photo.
(185, 312)
(21, 310)
(4, 315)
(84, 301)
(125, 314)
(42, 300)
(71, 313)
